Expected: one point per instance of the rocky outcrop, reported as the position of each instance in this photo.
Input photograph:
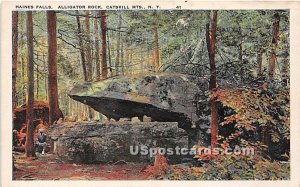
(165, 97)
(41, 112)
(94, 142)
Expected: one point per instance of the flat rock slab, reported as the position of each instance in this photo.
(169, 97)
(96, 142)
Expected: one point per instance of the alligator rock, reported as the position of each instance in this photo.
(165, 97)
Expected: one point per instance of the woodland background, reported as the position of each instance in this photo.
(244, 55)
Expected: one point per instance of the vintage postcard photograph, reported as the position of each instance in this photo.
(141, 92)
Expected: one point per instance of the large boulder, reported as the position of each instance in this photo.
(94, 142)
(169, 97)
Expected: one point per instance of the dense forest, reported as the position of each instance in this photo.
(242, 55)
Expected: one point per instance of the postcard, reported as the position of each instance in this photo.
(150, 93)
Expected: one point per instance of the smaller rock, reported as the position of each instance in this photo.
(59, 121)
(124, 119)
(135, 120)
(83, 118)
(70, 119)
(112, 120)
(147, 119)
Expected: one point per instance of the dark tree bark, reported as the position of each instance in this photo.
(103, 15)
(89, 69)
(211, 47)
(14, 57)
(54, 112)
(97, 49)
(37, 77)
(82, 54)
(275, 36)
(29, 145)
(156, 49)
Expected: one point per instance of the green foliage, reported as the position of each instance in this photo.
(261, 118)
(231, 167)
(258, 107)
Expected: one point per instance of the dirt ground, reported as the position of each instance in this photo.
(49, 167)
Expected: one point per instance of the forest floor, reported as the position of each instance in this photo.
(49, 167)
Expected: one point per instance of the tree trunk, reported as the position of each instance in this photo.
(122, 57)
(24, 91)
(259, 62)
(141, 56)
(156, 49)
(126, 58)
(88, 53)
(103, 36)
(37, 76)
(45, 78)
(97, 49)
(14, 57)
(118, 45)
(54, 112)
(285, 71)
(275, 36)
(211, 47)
(89, 63)
(29, 145)
(82, 54)
(109, 55)
(37, 82)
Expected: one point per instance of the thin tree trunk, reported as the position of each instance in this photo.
(126, 58)
(23, 74)
(24, 92)
(20, 98)
(122, 57)
(29, 145)
(156, 49)
(211, 47)
(240, 49)
(45, 78)
(37, 76)
(109, 55)
(97, 54)
(285, 71)
(14, 58)
(275, 36)
(89, 63)
(54, 112)
(37, 82)
(82, 54)
(118, 45)
(131, 55)
(259, 62)
(103, 15)
(142, 57)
